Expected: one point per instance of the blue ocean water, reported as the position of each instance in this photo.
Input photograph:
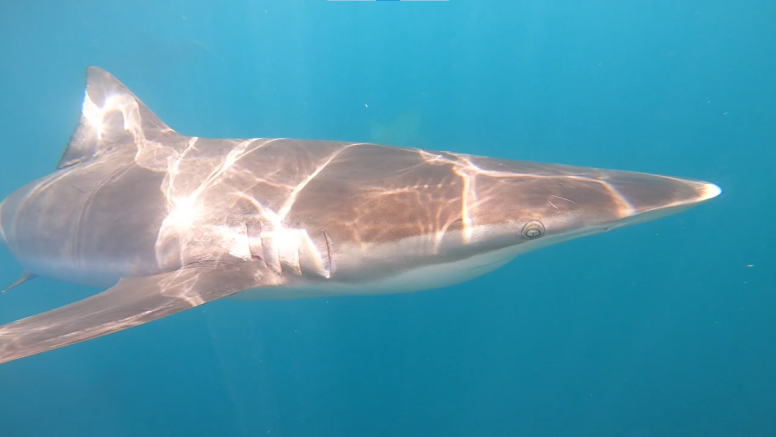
(663, 329)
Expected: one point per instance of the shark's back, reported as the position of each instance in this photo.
(132, 197)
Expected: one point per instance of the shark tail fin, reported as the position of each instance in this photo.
(111, 118)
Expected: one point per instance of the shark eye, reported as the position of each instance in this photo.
(533, 230)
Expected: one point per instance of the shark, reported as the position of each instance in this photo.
(166, 222)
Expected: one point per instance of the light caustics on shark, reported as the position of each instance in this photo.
(167, 222)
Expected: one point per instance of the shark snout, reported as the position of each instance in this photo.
(644, 193)
(647, 197)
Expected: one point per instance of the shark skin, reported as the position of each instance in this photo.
(167, 222)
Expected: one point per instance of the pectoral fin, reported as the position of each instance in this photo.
(131, 302)
(25, 277)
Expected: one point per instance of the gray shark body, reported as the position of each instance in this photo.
(168, 222)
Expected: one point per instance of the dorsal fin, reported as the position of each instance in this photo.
(111, 118)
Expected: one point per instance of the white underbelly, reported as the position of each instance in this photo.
(422, 278)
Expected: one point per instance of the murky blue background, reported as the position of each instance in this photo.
(664, 329)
